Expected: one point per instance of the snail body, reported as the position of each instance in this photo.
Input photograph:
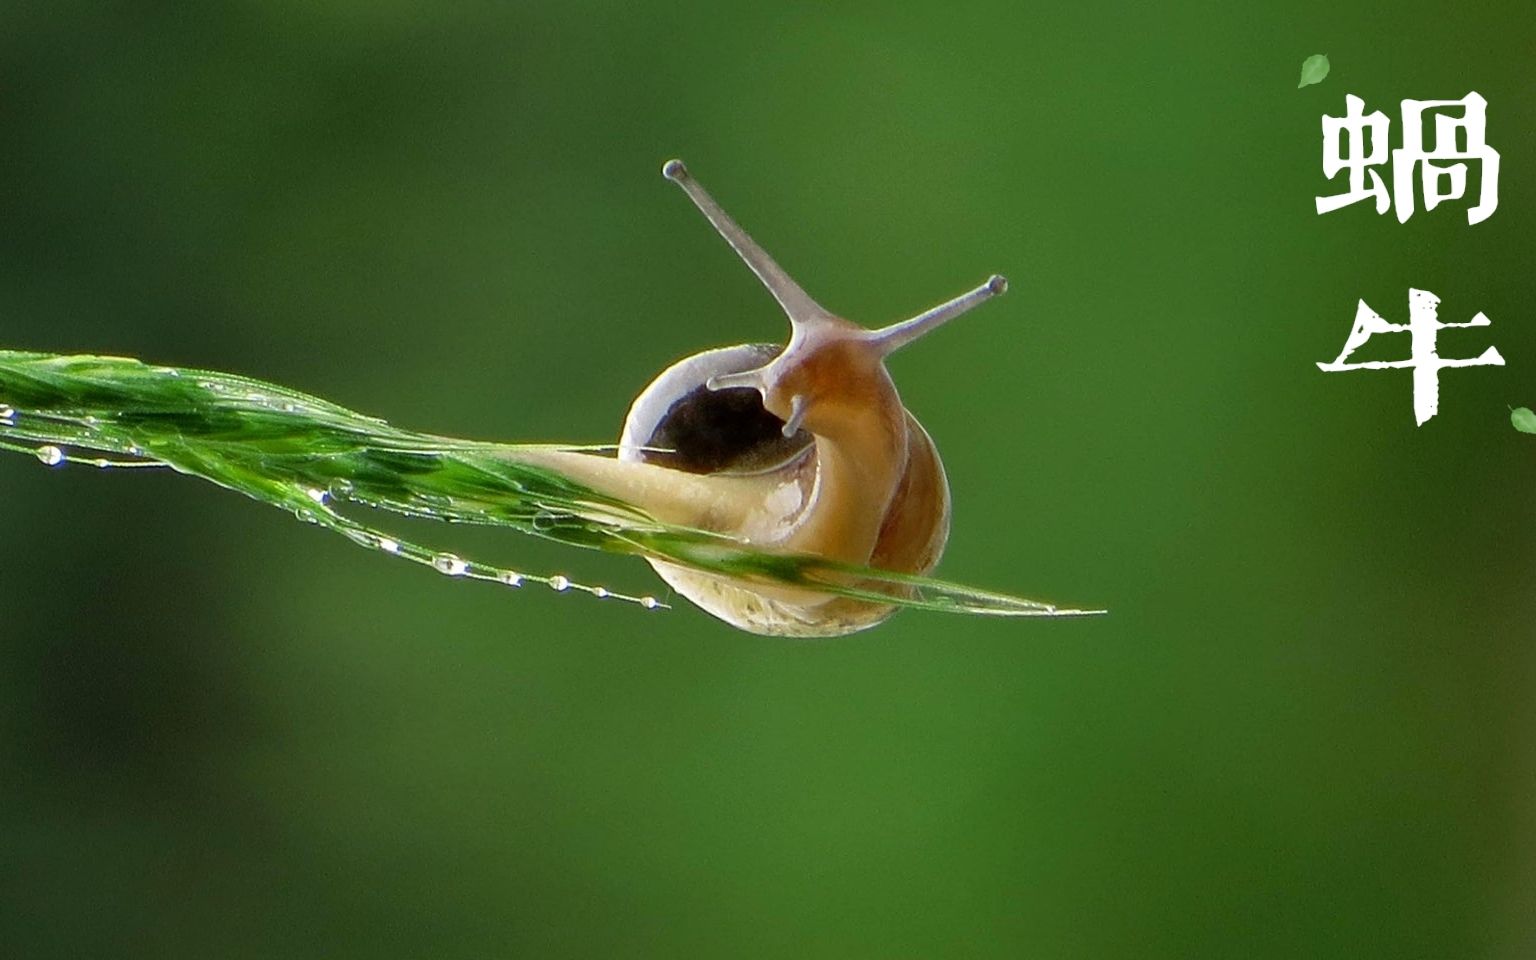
(804, 448)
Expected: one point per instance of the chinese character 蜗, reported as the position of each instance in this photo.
(1357, 141)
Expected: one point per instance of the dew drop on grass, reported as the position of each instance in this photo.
(50, 455)
(510, 578)
(319, 496)
(649, 603)
(600, 592)
(559, 584)
(449, 565)
(7, 415)
(388, 545)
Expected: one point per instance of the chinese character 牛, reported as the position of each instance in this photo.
(1424, 326)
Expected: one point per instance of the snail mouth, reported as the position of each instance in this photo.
(678, 422)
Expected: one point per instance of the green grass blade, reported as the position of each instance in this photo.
(309, 456)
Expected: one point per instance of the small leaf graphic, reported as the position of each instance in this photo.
(1313, 70)
(1523, 419)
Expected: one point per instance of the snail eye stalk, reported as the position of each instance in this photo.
(797, 304)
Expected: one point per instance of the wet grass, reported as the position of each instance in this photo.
(330, 466)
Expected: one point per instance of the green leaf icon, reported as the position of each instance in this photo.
(1523, 419)
(1313, 70)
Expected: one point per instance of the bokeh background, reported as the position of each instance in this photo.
(1305, 730)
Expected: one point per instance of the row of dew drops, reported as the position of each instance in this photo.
(446, 564)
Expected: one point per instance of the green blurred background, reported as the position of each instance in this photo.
(1305, 730)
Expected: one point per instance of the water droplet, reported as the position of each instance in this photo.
(599, 592)
(341, 488)
(543, 520)
(511, 579)
(319, 496)
(559, 584)
(102, 462)
(649, 603)
(449, 565)
(50, 455)
(290, 408)
(7, 413)
(388, 545)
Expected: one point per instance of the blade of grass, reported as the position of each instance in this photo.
(309, 456)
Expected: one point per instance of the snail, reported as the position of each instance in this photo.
(802, 448)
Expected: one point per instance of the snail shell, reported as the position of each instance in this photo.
(679, 423)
